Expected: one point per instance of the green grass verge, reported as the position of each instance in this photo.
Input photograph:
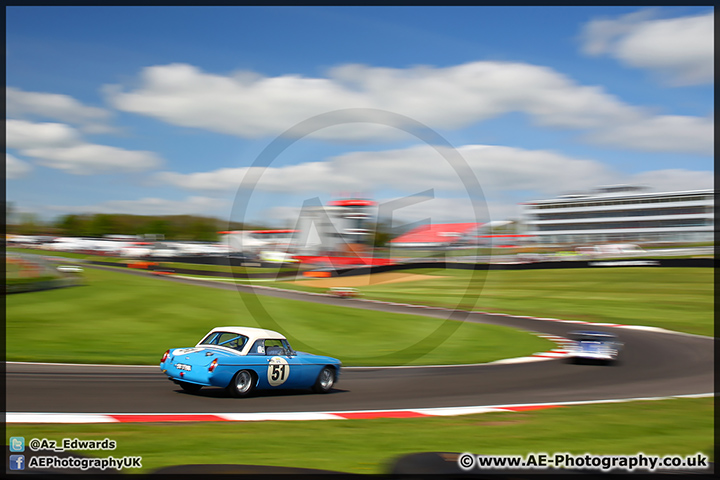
(130, 319)
(679, 299)
(48, 253)
(28, 281)
(664, 427)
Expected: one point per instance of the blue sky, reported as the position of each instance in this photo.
(161, 110)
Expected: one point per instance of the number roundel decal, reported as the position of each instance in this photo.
(278, 371)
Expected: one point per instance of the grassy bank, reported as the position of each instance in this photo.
(679, 299)
(120, 318)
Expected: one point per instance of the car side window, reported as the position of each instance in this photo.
(274, 347)
(258, 348)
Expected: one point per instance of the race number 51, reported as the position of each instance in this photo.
(278, 371)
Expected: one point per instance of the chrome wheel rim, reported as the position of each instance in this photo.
(243, 382)
(326, 379)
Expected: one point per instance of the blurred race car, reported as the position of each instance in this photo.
(595, 346)
(344, 292)
(243, 359)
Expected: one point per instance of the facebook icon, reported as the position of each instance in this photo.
(17, 462)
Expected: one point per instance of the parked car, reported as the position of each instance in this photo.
(69, 269)
(244, 359)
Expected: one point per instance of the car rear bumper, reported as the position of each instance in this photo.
(594, 356)
(179, 381)
(198, 375)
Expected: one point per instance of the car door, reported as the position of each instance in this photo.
(282, 367)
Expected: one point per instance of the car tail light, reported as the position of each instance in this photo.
(212, 365)
(165, 355)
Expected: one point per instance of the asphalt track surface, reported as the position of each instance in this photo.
(654, 364)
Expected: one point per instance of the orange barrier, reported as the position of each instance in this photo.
(141, 264)
(316, 274)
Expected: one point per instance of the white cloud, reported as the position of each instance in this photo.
(600, 35)
(23, 134)
(256, 106)
(60, 146)
(152, 206)
(251, 105)
(302, 178)
(497, 168)
(506, 175)
(15, 168)
(680, 49)
(56, 106)
(673, 180)
(88, 159)
(217, 180)
(411, 170)
(667, 133)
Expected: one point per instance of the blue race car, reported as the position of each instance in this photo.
(594, 346)
(243, 359)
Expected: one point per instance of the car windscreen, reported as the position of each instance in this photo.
(593, 338)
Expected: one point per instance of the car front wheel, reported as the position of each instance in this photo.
(325, 380)
(242, 384)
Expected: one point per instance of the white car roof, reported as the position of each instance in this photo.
(250, 332)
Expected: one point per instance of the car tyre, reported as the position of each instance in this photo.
(242, 384)
(190, 387)
(325, 380)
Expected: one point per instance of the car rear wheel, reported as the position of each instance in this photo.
(325, 380)
(242, 384)
(190, 387)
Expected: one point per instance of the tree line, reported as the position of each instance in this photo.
(168, 227)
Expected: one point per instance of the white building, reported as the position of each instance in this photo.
(254, 241)
(620, 214)
(341, 227)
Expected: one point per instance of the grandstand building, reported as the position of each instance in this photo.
(621, 213)
(439, 235)
(340, 228)
(459, 235)
(254, 241)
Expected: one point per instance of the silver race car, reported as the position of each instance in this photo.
(590, 346)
